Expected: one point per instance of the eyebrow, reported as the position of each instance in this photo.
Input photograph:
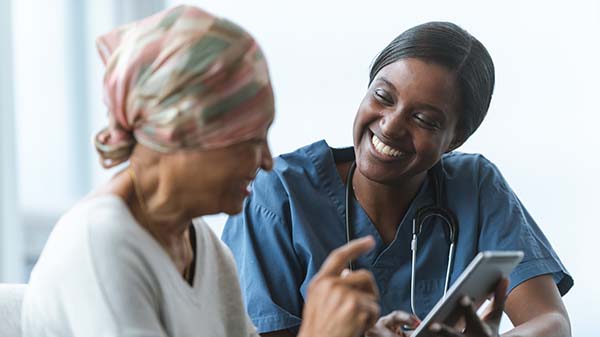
(384, 80)
(422, 105)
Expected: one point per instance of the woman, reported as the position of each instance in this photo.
(429, 90)
(190, 103)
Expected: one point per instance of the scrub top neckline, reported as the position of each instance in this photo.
(382, 256)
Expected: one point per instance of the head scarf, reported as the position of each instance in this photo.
(181, 79)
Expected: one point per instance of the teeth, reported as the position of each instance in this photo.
(385, 149)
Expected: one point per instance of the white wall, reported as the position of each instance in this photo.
(11, 243)
(541, 126)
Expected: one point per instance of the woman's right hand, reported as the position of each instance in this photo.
(340, 302)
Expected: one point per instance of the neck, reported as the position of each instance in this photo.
(164, 217)
(385, 204)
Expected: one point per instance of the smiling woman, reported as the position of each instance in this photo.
(190, 104)
(429, 90)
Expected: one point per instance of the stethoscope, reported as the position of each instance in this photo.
(421, 215)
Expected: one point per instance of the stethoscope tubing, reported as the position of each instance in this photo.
(446, 215)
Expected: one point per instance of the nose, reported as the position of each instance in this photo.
(266, 159)
(394, 125)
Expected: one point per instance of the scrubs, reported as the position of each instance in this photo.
(295, 217)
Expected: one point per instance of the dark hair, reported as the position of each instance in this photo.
(449, 45)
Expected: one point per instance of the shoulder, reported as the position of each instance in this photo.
(474, 167)
(113, 231)
(467, 162)
(83, 224)
(123, 256)
(72, 264)
(301, 160)
(290, 170)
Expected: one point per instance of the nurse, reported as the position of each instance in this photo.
(429, 90)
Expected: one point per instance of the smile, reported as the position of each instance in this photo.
(385, 149)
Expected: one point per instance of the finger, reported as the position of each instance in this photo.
(361, 280)
(497, 306)
(368, 312)
(398, 319)
(339, 258)
(444, 331)
(473, 324)
(374, 311)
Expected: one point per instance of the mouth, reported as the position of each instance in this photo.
(386, 150)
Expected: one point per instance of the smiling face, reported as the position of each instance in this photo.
(406, 121)
(236, 169)
(217, 180)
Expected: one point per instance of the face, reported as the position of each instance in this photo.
(237, 168)
(406, 121)
(217, 180)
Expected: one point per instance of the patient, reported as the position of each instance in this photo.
(190, 104)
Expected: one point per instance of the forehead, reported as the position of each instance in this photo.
(421, 82)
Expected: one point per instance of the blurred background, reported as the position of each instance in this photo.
(541, 129)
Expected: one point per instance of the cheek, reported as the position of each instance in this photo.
(430, 145)
(246, 161)
(366, 115)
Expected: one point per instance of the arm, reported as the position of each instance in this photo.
(534, 305)
(536, 309)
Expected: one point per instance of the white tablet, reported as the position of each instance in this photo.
(477, 281)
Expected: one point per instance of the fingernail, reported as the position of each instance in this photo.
(345, 272)
(465, 301)
(435, 327)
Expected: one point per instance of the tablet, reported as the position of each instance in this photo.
(477, 281)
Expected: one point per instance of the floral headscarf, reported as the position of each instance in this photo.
(181, 79)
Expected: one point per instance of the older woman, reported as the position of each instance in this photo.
(190, 105)
(429, 90)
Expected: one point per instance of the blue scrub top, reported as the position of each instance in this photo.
(295, 217)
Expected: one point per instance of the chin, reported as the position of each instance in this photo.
(386, 173)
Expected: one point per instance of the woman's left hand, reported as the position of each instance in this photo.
(475, 326)
(391, 325)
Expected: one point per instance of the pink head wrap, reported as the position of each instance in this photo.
(181, 79)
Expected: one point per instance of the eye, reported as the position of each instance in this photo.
(426, 121)
(383, 97)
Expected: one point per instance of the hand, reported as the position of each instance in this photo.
(340, 302)
(391, 325)
(487, 326)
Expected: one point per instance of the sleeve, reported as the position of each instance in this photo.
(507, 225)
(271, 273)
(128, 289)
